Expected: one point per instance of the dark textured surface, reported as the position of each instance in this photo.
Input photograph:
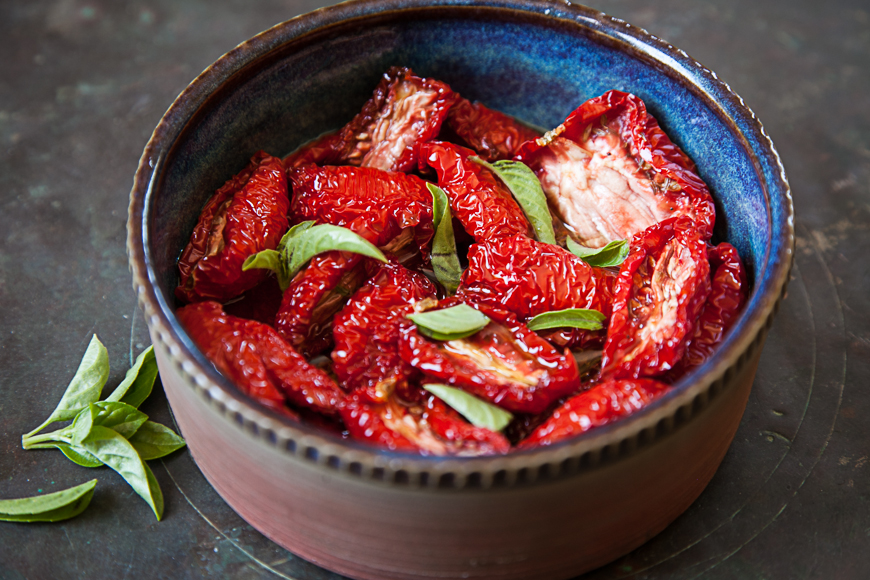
(82, 84)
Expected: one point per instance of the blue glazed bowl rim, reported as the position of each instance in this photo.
(306, 443)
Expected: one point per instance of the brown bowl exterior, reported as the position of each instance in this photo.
(556, 527)
(552, 512)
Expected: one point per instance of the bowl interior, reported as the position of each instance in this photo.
(278, 92)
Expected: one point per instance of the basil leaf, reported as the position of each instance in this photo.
(613, 254)
(269, 260)
(478, 412)
(445, 262)
(137, 384)
(277, 260)
(569, 318)
(120, 417)
(526, 189)
(80, 427)
(154, 440)
(84, 388)
(450, 323)
(112, 449)
(327, 238)
(51, 507)
(73, 452)
(285, 246)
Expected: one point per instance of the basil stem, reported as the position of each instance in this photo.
(613, 254)
(450, 323)
(445, 262)
(479, 413)
(569, 318)
(84, 388)
(526, 189)
(51, 507)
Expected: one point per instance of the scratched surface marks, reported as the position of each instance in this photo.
(83, 83)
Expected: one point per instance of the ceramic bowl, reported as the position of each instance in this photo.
(366, 513)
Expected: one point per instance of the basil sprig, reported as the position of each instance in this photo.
(587, 319)
(304, 241)
(445, 262)
(452, 323)
(51, 507)
(526, 189)
(613, 254)
(479, 413)
(112, 432)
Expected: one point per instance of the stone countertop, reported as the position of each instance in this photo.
(82, 85)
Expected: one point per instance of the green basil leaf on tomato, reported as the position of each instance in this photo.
(479, 413)
(613, 254)
(452, 323)
(569, 318)
(445, 262)
(527, 190)
(327, 238)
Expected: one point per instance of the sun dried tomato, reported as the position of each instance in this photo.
(377, 205)
(260, 303)
(728, 293)
(658, 295)
(366, 331)
(321, 151)
(245, 216)
(492, 134)
(611, 172)
(598, 406)
(426, 426)
(478, 199)
(314, 296)
(529, 278)
(505, 363)
(404, 111)
(258, 361)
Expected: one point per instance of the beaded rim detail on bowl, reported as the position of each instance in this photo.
(302, 443)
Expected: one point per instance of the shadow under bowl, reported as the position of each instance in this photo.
(553, 512)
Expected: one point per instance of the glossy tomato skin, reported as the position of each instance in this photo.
(601, 404)
(478, 198)
(377, 205)
(493, 135)
(314, 296)
(674, 187)
(528, 278)
(659, 293)
(729, 291)
(505, 363)
(258, 361)
(425, 426)
(245, 216)
(366, 331)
